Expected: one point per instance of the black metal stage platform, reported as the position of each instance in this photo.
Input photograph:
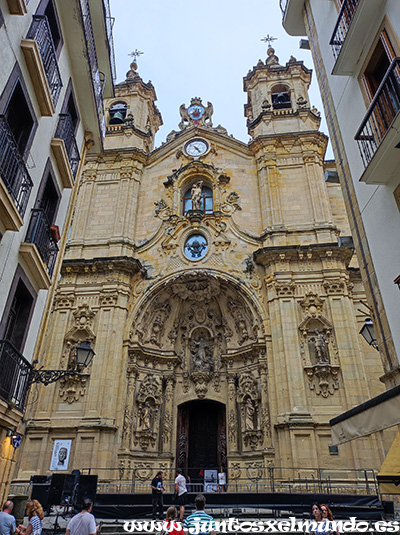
(130, 506)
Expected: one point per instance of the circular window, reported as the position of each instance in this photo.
(196, 247)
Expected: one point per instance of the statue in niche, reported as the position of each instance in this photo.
(320, 343)
(201, 353)
(156, 330)
(249, 415)
(145, 417)
(195, 193)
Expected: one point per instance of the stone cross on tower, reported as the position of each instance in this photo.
(268, 39)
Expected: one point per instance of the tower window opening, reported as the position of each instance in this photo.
(280, 97)
(118, 113)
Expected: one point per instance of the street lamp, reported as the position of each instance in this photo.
(368, 333)
(81, 357)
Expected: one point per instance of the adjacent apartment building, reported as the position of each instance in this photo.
(355, 46)
(56, 67)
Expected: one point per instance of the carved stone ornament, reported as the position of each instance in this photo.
(73, 388)
(247, 388)
(201, 380)
(252, 438)
(146, 439)
(311, 304)
(197, 287)
(323, 378)
(143, 471)
(255, 470)
(196, 114)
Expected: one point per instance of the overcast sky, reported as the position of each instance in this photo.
(202, 49)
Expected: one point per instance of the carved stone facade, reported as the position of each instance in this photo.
(255, 322)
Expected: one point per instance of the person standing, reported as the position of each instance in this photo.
(181, 493)
(83, 523)
(7, 521)
(199, 521)
(35, 514)
(157, 489)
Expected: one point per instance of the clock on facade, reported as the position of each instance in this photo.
(196, 147)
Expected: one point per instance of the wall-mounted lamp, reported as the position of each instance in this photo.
(368, 333)
(81, 357)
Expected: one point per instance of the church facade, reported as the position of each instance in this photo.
(216, 283)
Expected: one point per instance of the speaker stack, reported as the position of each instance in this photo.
(63, 489)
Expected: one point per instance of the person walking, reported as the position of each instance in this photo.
(157, 489)
(83, 523)
(199, 521)
(35, 514)
(181, 493)
(7, 521)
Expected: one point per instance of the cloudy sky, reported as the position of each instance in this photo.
(202, 49)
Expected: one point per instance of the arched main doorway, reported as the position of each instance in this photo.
(201, 439)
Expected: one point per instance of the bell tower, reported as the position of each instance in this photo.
(289, 152)
(132, 118)
(278, 100)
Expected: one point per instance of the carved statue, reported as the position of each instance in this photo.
(196, 195)
(201, 355)
(145, 417)
(249, 415)
(160, 205)
(321, 346)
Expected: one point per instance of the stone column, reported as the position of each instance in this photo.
(168, 416)
(231, 416)
(265, 416)
(127, 427)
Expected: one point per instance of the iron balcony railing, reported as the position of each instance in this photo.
(15, 375)
(345, 18)
(383, 110)
(12, 168)
(97, 77)
(109, 26)
(65, 131)
(39, 233)
(40, 32)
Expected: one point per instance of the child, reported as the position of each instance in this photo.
(172, 527)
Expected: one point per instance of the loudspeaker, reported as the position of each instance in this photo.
(41, 489)
(61, 489)
(87, 489)
(39, 479)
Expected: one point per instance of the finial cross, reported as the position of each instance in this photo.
(268, 39)
(135, 54)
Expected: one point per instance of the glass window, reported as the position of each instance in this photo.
(196, 247)
(206, 202)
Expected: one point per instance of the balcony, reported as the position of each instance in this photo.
(96, 76)
(40, 249)
(65, 150)
(14, 377)
(41, 60)
(292, 16)
(17, 7)
(378, 137)
(16, 184)
(352, 29)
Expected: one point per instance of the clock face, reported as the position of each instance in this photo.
(196, 147)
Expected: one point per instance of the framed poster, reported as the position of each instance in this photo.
(60, 455)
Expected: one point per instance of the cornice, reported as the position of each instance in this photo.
(197, 131)
(120, 263)
(268, 255)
